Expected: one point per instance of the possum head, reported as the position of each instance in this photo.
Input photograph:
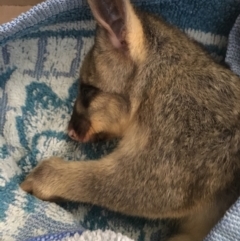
(103, 108)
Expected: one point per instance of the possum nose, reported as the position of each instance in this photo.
(72, 134)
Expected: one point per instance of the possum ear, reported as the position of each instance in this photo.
(119, 20)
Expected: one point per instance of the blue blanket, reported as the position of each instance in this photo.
(40, 55)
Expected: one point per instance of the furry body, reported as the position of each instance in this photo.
(177, 113)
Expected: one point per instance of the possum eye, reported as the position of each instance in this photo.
(87, 93)
(88, 90)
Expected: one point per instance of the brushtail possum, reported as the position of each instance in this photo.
(176, 112)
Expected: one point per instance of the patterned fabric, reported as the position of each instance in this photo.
(97, 235)
(57, 237)
(233, 51)
(40, 55)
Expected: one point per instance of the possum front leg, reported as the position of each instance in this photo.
(116, 182)
(106, 182)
